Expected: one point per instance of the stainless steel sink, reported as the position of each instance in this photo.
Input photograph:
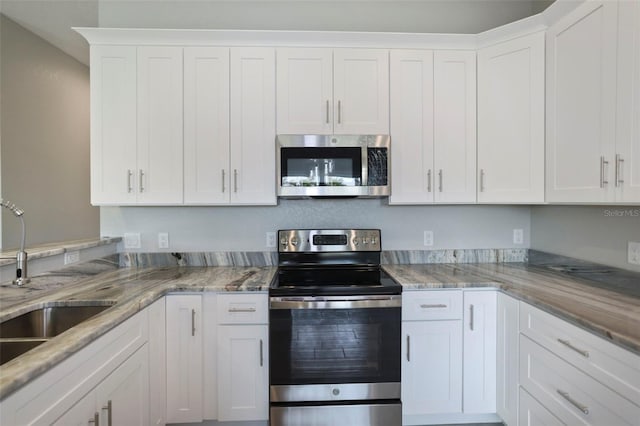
(23, 333)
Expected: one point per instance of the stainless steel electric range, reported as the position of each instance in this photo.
(334, 330)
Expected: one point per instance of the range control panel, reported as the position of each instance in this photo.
(328, 240)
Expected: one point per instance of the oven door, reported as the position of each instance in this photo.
(335, 348)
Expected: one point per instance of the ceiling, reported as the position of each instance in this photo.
(53, 19)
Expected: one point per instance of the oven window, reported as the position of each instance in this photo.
(316, 346)
(321, 166)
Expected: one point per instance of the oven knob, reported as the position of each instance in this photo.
(294, 242)
(365, 240)
(335, 391)
(283, 240)
(355, 242)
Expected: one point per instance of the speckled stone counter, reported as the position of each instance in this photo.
(52, 249)
(129, 290)
(612, 315)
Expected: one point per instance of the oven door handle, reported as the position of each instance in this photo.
(336, 302)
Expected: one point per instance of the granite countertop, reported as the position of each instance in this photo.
(52, 249)
(129, 290)
(612, 315)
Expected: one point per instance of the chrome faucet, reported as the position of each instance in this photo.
(21, 256)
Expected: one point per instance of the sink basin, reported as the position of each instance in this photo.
(23, 333)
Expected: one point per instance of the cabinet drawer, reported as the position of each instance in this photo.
(568, 393)
(243, 308)
(532, 413)
(613, 366)
(431, 305)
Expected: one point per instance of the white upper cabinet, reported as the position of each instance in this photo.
(160, 146)
(411, 126)
(253, 122)
(433, 126)
(326, 91)
(581, 104)
(511, 121)
(206, 125)
(455, 126)
(627, 162)
(113, 124)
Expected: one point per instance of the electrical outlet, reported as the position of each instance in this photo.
(518, 236)
(633, 254)
(71, 257)
(132, 240)
(271, 239)
(163, 240)
(428, 238)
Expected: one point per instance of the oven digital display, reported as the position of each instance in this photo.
(330, 240)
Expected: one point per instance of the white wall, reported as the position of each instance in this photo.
(45, 140)
(244, 228)
(597, 234)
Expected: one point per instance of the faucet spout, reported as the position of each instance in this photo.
(21, 256)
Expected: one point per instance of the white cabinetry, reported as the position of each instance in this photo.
(578, 377)
(113, 124)
(243, 357)
(431, 354)
(581, 104)
(532, 413)
(206, 125)
(184, 358)
(113, 368)
(511, 121)
(627, 162)
(507, 359)
(325, 91)
(433, 126)
(479, 361)
(252, 166)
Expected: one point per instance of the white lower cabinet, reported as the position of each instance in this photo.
(532, 413)
(243, 357)
(184, 358)
(507, 359)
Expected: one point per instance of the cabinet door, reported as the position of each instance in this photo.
(581, 101)
(206, 125)
(113, 125)
(455, 126)
(431, 367)
(160, 129)
(83, 413)
(304, 91)
(411, 126)
(123, 397)
(243, 372)
(627, 161)
(532, 413)
(507, 359)
(253, 121)
(511, 121)
(184, 358)
(361, 91)
(479, 362)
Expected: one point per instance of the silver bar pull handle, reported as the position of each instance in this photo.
(619, 161)
(573, 348)
(261, 354)
(481, 180)
(95, 420)
(432, 306)
(223, 188)
(141, 180)
(429, 180)
(235, 180)
(327, 119)
(408, 348)
(573, 402)
(129, 176)
(339, 112)
(603, 164)
(440, 180)
(109, 408)
(471, 324)
(234, 310)
(193, 322)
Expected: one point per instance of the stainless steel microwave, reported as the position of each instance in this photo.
(333, 165)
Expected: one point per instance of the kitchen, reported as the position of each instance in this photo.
(596, 236)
